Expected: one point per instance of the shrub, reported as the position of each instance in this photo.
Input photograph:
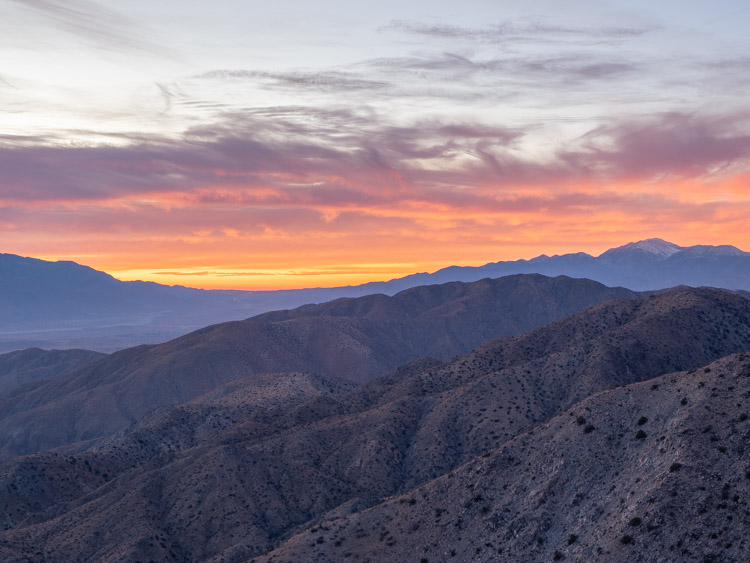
(643, 420)
(640, 435)
(634, 521)
(675, 467)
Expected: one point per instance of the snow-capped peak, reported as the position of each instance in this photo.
(659, 248)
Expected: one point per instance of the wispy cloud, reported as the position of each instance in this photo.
(672, 144)
(289, 157)
(100, 26)
(6, 83)
(516, 31)
(325, 80)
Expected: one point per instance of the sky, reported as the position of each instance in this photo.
(257, 145)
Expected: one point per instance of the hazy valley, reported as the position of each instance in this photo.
(67, 305)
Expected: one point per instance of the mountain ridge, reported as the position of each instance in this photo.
(66, 305)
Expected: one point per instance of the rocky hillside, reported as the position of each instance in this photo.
(654, 471)
(354, 339)
(226, 479)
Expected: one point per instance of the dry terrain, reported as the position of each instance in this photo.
(525, 444)
(355, 339)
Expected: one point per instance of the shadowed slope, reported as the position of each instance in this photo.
(355, 339)
(17, 368)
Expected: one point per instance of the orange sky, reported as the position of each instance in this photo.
(369, 141)
(178, 240)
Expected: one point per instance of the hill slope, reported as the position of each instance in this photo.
(654, 471)
(17, 368)
(232, 480)
(355, 339)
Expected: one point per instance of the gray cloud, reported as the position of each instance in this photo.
(674, 144)
(512, 31)
(557, 69)
(300, 79)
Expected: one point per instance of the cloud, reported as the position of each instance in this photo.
(514, 31)
(287, 157)
(546, 74)
(104, 27)
(323, 80)
(213, 273)
(6, 83)
(673, 144)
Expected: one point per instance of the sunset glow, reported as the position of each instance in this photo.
(335, 144)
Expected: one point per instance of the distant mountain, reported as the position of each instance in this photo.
(644, 265)
(66, 305)
(17, 368)
(353, 339)
(310, 477)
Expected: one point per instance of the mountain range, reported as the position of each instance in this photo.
(618, 432)
(66, 305)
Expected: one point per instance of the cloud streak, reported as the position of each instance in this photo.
(103, 27)
(336, 81)
(345, 159)
(509, 31)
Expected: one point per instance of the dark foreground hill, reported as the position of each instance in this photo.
(17, 368)
(655, 471)
(354, 339)
(226, 480)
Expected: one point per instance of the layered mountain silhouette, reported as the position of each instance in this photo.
(66, 305)
(354, 339)
(557, 443)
